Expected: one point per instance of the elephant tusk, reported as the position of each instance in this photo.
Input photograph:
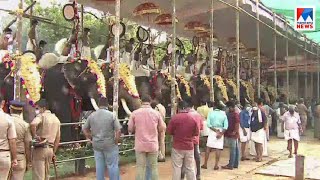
(125, 107)
(222, 104)
(94, 104)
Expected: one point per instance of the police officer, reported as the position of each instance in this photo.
(23, 140)
(45, 130)
(8, 151)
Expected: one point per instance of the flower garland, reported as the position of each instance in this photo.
(249, 89)
(101, 81)
(222, 86)
(8, 61)
(185, 83)
(233, 85)
(128, 80)
(205, 80)
(30, 78)
(169, 77)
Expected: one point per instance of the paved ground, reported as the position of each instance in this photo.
(246, 171)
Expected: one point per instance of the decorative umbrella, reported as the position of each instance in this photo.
(164, 19)
(193, 26)
(233, 44)
(147, 8)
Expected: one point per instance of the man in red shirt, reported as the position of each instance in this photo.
(196, 140)
(183, 127)
(232, 135)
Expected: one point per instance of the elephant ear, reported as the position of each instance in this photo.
(72, 72)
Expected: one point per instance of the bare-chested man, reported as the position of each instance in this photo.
(7, 39)
(40, 49)
(85, 46)
(32, 35)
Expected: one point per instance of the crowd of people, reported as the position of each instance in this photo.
(238, 126)
(24, 146)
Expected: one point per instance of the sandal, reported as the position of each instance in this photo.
(204, 167)
(216, 168)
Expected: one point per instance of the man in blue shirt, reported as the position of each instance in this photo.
(244, 131)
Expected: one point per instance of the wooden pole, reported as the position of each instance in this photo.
(116, 62)
(31, 13)
(258, 48)
(82, 19)
(311, 74)
(318, 75)
(297, 69)
(173, 64)
(287, 64)
(211, 54)
(275, 55)
(305, 68)
(17, 82)
(299, 166)
(238, 51)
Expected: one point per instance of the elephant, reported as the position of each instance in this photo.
(232, 88)
(200, 86)
(30, 82)
(128, 94)
(71, 88)
(246, 92)
(263, 94)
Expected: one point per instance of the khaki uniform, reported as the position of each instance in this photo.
(303, 110)
(7, 131)
(23, 140)
(162, 135)
(48, 127)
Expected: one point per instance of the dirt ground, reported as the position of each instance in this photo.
(246, 171)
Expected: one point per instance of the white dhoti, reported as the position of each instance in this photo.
(244, 138)
(30, 45)
(213, 142)
(205, 131)
(259, 137)
(86, 52)
(292, 134)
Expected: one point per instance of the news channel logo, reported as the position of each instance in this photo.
(305, 18)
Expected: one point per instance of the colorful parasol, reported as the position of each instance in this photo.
(233, 44)
(147, 8)
(164, 19)
(193, 26)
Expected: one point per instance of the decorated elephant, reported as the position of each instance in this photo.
(200, 88)
(128, 94)
(30, 81)
(247, 92)
(263, 94)
(70, 88)
(231, 88)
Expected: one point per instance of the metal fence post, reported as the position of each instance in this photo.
(287, 64)
(238, 50)
(211, 54)
(275, 55)
(173, 64)
(258, 48)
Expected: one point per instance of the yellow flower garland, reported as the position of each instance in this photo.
(222, 86)
(205, 80)
(128, 79)
(31, 78)
(185, 83)
(168, 75)
(249, 89)
(233, 85)
(101, 81)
